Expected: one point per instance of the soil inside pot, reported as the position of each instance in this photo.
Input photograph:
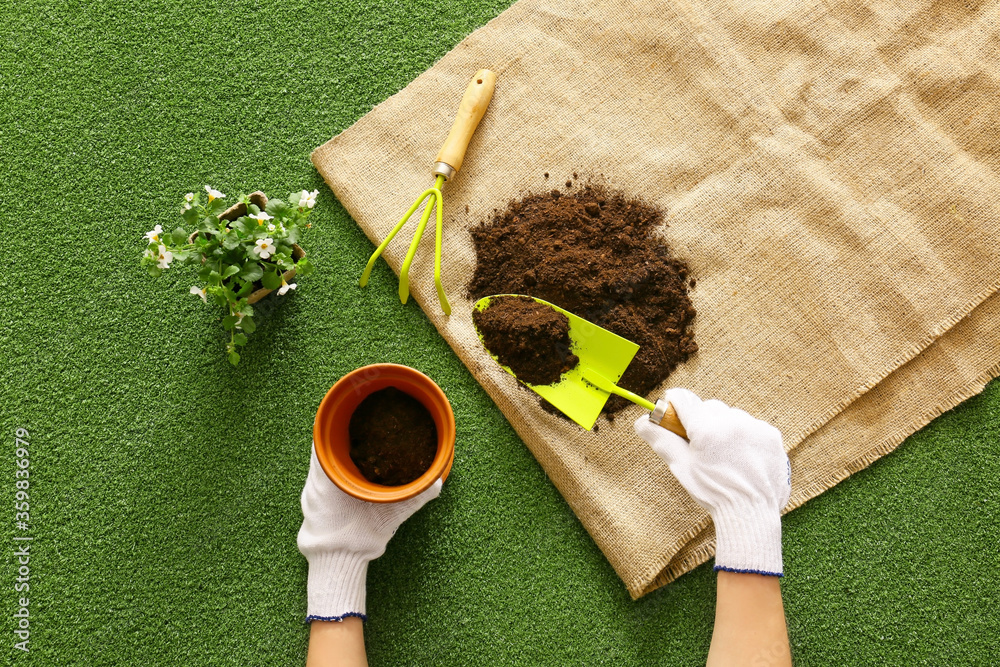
(529, 338)
(599, 254)
(393, 437)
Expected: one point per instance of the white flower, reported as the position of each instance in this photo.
(265, 247)
(154, 234)
(238, 320)
(213, 194)
(186, 207)
(164, 257)
(200, 291)
(285, 286)
(149, 254)
(271, 227)
(189, 197)
(262, 217)
(307, 199)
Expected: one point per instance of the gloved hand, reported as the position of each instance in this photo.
(736, 468)
(339, 536)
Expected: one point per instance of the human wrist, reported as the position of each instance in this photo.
(336, 586)
(748, 538)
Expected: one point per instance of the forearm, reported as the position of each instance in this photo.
(337, 644)
(749, 622)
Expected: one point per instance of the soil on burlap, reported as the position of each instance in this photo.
(527, 337)
(393, 437)
(594, 252)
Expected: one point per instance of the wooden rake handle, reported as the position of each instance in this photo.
(470, 111)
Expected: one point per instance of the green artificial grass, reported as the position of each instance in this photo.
(165, 483)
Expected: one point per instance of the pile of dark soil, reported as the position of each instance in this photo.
(527, 337)
(393, 437)
(595, 253)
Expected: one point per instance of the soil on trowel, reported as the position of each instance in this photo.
(393, 437)
(598, 254)
(529, 338)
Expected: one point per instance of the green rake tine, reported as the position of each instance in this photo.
(404, 273)
(449, 159)
(442, 298)
(382, 246)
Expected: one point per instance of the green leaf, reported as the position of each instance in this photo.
(214, 278)
(234, 357)
(293, 235)
(229, 321)
(271, 280)
(294, 198)
(248, 324)
(230, 241)
(154, 271)
(252, 271)
(283, 260)
(190, 216)
(204, 272)
(179, 236)
(245, 288)
(217, 206)
(245, 308)
(253, 209)
(278, 208)
(239, 339)
(230, 270)
(232, 290)
(304, 267)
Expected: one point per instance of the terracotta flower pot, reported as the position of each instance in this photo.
(333, 443)
(236, 211)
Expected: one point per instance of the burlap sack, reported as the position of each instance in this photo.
(828, 173)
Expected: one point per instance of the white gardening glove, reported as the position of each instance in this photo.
(736, 468)
(339, 536)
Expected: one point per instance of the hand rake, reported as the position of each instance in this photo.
(448, 162)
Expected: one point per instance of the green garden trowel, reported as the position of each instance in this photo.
(581, 393)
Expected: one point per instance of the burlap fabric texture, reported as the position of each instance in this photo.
(828, 170)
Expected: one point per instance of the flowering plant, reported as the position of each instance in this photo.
(236, 252)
